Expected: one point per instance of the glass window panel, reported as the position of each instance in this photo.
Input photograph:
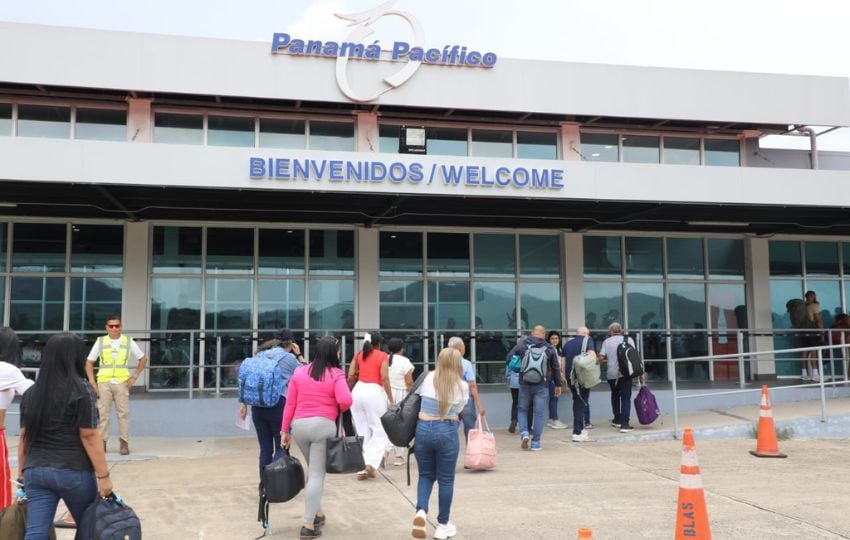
(687, 310)
(539, 256)
(331, 252)
(685, 258)
(448, 305)
(643, 257)
(781, 291)
(821, 258)
(388, 139)
(829, 298)
(282, 133)
(401, 304)
(3, 240)
(228, 303)
(38, 247)
(536, 145)
(101, 125)
(280, 303)
(5, 119)
(495, 255)
(447, 141)
(230, 131)
(603, 305)
(722, 152)
(97, 248)
(602, 256)
(640, 149)
(332, 136)
(727, 310)
(230, 251)
(177, 250)
(400, 253)
(44, 121)
(3, 293)
(281, 252)
(495, 306)
(448, 254)
(646, 305)
(175, 303)
(331, 304)
(178, 128)
(93, 299)
(725, 258)
(681, 150)
(37, 303)
(600, 147)
(845, 256)
(492, 143)
(540, 303)
(785, 258)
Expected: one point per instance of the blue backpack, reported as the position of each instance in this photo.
(260, 380)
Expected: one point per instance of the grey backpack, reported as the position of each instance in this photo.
(586, 372)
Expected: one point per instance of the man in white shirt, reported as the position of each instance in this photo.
(114, 381)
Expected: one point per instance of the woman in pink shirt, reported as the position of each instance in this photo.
(317, 394)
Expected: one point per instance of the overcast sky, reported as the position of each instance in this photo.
(782, 36)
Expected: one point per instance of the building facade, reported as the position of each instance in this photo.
(212, 191)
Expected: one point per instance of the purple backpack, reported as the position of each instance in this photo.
(646, 408)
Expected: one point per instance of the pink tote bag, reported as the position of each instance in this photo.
(481, 447)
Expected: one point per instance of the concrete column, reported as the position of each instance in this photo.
(136, 307)
(367, 286)
(570, 141)
(139, 120)
(367, 131)
(758, 303)
(573, 265)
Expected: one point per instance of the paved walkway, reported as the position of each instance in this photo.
(206, 489)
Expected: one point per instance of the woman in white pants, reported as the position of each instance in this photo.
(401, 381)
(369, 373)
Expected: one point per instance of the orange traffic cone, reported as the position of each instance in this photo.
(585, 534)
(767, 446)
(691, 514)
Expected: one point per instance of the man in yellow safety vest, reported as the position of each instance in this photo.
(115, 351)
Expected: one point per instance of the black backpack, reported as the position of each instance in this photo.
(629, 359)
(400, 420)
(109, 518)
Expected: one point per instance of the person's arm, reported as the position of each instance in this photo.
(353, 369)
(140, 368)
(288, 413)
(408, 379)
(385, 377)
(342, 394)
(90, 376)
(93, 445)
(22, 453)
(555, 366)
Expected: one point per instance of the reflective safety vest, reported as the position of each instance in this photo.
(113, 362)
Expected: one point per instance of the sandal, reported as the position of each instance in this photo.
(362, 475)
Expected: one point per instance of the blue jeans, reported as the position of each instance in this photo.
(540, 394)
(581, 408)
(267, 421)
(436, 448)
(45, 486)
(468, 415)
(553, 402)
(621, 399)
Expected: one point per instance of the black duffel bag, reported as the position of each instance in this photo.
(283, 478)
(400, 420)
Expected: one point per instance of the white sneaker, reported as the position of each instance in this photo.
(582, 437)
(445, 531)
(549, 423)
(557, 424)
(419, 522)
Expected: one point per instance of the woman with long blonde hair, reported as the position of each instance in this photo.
(444, 394)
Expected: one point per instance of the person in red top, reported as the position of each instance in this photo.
(369, 373)
(317, 394)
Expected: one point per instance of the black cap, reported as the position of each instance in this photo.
(285, 334)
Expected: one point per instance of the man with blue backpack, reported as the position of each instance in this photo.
(537, 363)
(263, 382)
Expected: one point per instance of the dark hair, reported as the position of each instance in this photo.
(553, 333)
(395, 345)
(325, 356)
(10, 347)
(374, 343)
(61, 379)
(810, 293)
(113, 317)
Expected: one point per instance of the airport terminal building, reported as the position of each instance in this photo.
(211, 191)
